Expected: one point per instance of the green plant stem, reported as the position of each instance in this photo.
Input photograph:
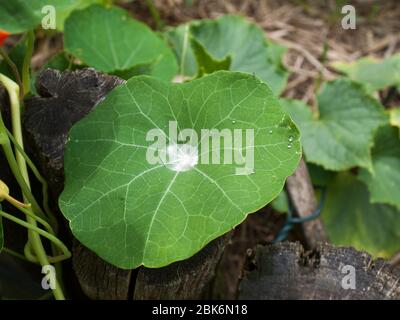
(26, 66)
(39, 177)
(20, 171)
(14, 165)
(14, 254)
(38, 219)
(155, 14)
(184, 49)
(13, 68)
(50, 237)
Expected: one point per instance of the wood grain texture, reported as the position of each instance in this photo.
(188, 279)
(301, 192)
(286, 271)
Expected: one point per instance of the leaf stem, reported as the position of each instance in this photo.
(13, 68)
(184, 49)
(26, 66)
(155, 14)
(14, 254)
(66, 254)
(14, 162)
(40, 178)
(20, 171)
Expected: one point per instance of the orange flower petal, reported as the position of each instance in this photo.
(3, 36)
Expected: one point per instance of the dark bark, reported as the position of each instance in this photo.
(99, 279)
(187, 279)
(64, 99)
(285, 271)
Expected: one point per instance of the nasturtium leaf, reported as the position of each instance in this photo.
(231, 36)
(17, 55)
(132, 212)
(137, 70)
(384, 181)
(320, 177)
(206, 64)
(394, 115)
(342, 136)
(179, 38)
(72, 5)
(281, 202)
(351, 220)
(18, 16)
(61, 61)
(108, 39)
(374, 74)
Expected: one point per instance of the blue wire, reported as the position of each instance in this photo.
(291, 220)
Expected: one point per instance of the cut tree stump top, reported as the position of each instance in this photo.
(285, 271)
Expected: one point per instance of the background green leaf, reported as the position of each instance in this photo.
(342, 136)
(18, 16)
(374, 74)
(394, 115)
(319, 176)
(280, 203)
(70, 6)
(17, 55)
(351, 220)
(384, 181)
(206, 64)
(233, 36)
(131, 212)
(109, 40)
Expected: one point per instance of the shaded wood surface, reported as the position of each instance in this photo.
(188, 279)
(99, 279)
(64, 98)
(301, 192)
(285, 271)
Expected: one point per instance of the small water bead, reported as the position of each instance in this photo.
(289, 146)
(233, 121)
(290, 138)
(270, 131)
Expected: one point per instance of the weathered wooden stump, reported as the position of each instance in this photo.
(64, 99)
(286, 271)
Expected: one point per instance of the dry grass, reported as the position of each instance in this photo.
(306, 28)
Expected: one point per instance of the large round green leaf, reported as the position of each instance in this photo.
(109, 40)
(72, 5)
(351, 220)
(131, 212)
(343, 134)
(21, 15)
(232, 36)
(384, 181)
